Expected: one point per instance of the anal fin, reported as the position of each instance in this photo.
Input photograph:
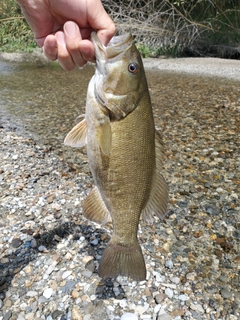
(95, 209)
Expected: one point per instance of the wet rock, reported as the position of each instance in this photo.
(226, 294)
(7, 315)
(212, 209)
(16, 242)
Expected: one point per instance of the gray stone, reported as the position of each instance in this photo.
(69, 286)
(212, 289)
(212, 209)
(87, 273)
(42, 299)
(33, 243)
(56, 314)
(94, 242)
(160, 297)
(169, 264)
(7, 315)
(90, 266)
(197, 307)
(175, 280)
(169, 293)
(41, 248)
(16, 242)
(183, 297)
(226, 294)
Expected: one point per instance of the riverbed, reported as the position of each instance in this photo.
(49, 253)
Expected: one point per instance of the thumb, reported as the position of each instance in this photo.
(102, 23)
(105, 34)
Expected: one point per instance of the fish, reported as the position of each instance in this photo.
(125, 154)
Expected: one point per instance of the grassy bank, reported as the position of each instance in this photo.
(15, 34)
(160, 27)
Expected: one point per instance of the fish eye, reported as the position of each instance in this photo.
(132, 67)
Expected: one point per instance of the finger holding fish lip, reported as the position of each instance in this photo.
(64, 57)
(55, 48)
(68, 47)
(50, 47)
(80, 50)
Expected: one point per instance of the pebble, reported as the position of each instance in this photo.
(46, 244)
(42, 248)
(175, 280)
(160, 297)
(66, 274)
(197, 307)
(169, 264)
(16, 242)
(226, 294)
(169, 293)
(129, 316)
(164, 316)
(183, 297)
(7, 315)
(76, 313)
(32, 293)
(47, 293)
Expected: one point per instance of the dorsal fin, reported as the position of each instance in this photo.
(158, 200)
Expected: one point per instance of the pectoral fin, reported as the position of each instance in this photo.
(158, 200)
(77, 137)
(104, 136)
(95, 209)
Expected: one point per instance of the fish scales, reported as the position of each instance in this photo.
(124, 153)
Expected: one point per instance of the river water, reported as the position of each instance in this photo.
(42, 101)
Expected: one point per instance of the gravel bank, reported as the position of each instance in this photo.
(216, 67)
(49, 253)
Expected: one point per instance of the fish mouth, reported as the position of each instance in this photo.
(106, 56)
(116, 46)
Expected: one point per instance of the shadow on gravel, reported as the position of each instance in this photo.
(29, 251)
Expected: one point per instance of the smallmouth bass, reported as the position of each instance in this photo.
(124, 152)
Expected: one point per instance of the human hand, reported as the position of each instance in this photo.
(63, 28)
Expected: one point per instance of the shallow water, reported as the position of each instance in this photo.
(199, 118)
(43, 101)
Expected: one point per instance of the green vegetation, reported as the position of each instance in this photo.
(176, 28)
(15, 34)
(160, 27)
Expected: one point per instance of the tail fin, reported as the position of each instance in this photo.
(119, 260)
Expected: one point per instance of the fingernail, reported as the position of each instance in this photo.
(70, 28)
(60, 38)
(52, 43)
